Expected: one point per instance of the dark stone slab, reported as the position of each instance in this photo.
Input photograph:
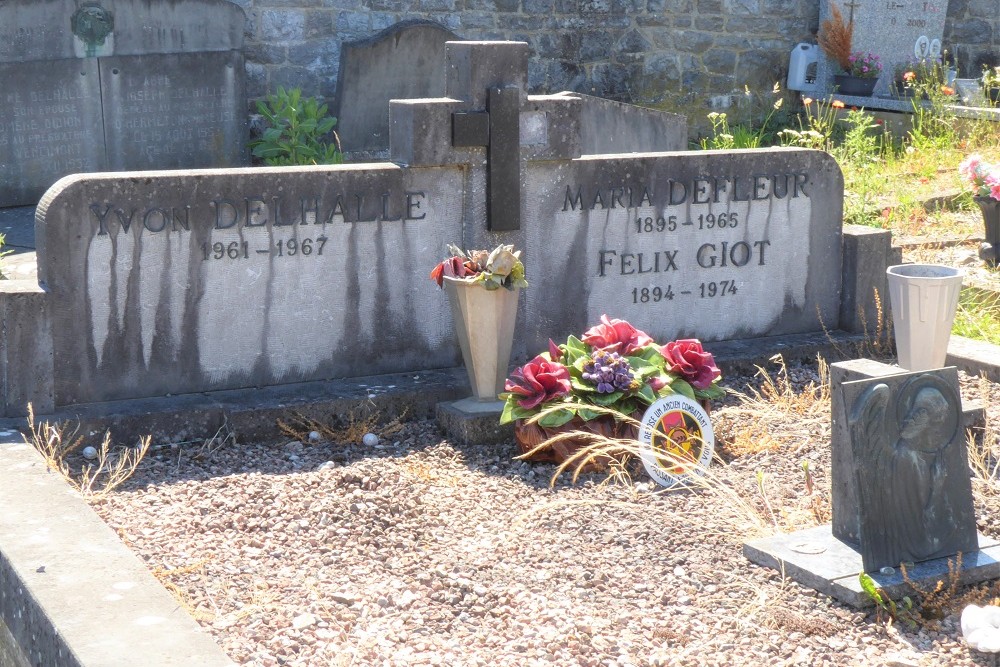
(814, 558)
(868, 252)
(912, 487)
(175, 111)
(44, 29)
(18, 227)
(404, 61)
(51, 126)
(173, 282)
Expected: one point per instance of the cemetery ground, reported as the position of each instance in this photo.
(420, 550)
(424, 551)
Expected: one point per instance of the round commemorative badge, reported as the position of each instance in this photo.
(676, 440)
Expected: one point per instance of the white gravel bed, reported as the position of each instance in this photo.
(421, 552)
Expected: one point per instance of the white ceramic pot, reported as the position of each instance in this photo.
(484, 323)
(923, 298)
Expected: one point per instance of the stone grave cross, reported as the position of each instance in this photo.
(487, 121)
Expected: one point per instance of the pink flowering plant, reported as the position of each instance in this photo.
(983, 177)
(864, 65)
(612, 366)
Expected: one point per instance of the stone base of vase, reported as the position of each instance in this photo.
(471, 421)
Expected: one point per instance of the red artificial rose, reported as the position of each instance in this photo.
(616, 336)
(538, 381)
(687, 359)
(453, 267)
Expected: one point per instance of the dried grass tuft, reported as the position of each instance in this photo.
(114, 466)
(776, 415)
(350, 431)
(835, 38)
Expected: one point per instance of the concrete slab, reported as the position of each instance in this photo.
(71, 594)
(814, 558)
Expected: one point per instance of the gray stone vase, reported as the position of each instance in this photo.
(989, 250)
(484, 323)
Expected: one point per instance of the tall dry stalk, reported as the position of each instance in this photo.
(835, 38)
(95, 480)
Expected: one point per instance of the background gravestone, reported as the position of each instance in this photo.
(898, 31)
(404, 61)
(117, 84)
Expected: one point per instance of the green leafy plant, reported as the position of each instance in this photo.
(298, 131)
(726, 136)
(3, 253)
(886, 606)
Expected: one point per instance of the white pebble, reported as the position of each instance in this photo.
(314, 436)
(370, 440)
(90, 452)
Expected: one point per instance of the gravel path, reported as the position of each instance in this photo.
(421, 552)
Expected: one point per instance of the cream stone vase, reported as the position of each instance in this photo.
(483, 287)
(484, 323)
(923, 298)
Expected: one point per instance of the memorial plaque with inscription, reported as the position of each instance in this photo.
(710, 245)
(213, 279)
(898, 31)
(174, 110)
(117, 84)
(51, 125)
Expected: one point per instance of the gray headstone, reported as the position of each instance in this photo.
(898, 31)
(912, 482)
(185, 282)
(404, 61)
(51, 125)
(55, 29)
(174, 111)
(121, 84)
(711, 244)
(608, 127)
(190, 281)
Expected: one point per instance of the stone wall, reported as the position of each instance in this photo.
(681, 52)
(973, 32)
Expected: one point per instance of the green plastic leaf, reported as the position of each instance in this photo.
(681, 386)
(512, 412)
(713, 392)
(647, 394)
(557, 418)
(586, 414)
(606, 399)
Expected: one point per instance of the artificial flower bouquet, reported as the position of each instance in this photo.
(864, 65)
(614, 366)
(982, 176)
(500, 268)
